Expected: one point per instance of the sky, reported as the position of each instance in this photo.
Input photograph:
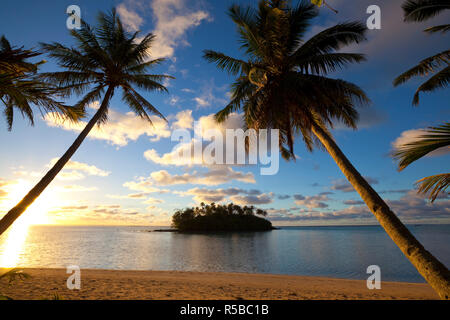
(123, 174)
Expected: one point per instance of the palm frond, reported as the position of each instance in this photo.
(425, 67)
(438, 81)
(246, 20)
(224, 62)
(149, 82)
(281, 82)
(433, 185)
(299, 22)
(106, 57)
(421, 10)
(333, 39)
(139, 104)
(432, 139)
(21, 87)
(442, 28)
(328, 62)
(141, 67)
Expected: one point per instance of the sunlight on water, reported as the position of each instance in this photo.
(340, 252)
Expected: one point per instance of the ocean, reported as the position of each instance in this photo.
(333, 251)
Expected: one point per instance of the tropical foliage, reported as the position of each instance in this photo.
(283, 84)
(214, 217)
(104, 58)
(438, 64)
(21, 88)
(433, 138)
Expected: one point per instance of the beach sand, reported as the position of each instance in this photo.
(163, 285)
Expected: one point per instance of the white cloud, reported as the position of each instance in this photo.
(153, 201)
(70, 175)
(131, 20)
(120, 128)
(210, 96)
(184, 120)
(264, 198)
(176, 158)
(202, 102)
(174, 100)
(312, 202)
(141, 195)
(236, 195)
(76, 188)
(83, 167)
(5, 187)
(214, 176)
(410, 208)
(173, 19)
(143, 185)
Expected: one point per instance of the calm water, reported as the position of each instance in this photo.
(343, 252)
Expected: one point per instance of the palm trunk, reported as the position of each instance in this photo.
(434, 272)
(34, 193)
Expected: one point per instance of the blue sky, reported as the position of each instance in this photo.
(111, 181)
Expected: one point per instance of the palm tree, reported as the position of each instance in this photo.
(434, 137)
(283, 84)
(105, 58)
(20, 86)
(421, 10)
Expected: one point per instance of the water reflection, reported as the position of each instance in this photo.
(337, 252)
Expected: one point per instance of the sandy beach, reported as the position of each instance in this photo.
(167, 285)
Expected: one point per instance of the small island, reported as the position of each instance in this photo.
(231, 217)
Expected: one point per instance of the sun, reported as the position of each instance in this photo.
(18, 232)
(36, 213)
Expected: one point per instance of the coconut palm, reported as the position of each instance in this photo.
(106, 58)
(283, 84)
(20, 87)
(417, 11)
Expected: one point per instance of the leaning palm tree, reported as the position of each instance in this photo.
(106, 58)
(417, 11)
(21, 88)
(283, 84)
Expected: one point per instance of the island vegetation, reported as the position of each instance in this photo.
(214, 217)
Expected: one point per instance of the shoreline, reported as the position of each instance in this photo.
(101, 284)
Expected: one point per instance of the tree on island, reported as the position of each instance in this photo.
(214, 217)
